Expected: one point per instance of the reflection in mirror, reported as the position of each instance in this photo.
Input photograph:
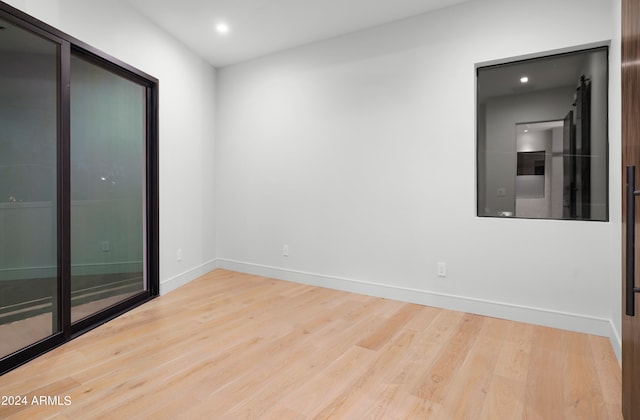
(542, 137)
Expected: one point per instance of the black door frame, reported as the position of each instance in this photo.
(64, 329)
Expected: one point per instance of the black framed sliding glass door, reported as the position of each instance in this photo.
(108, 136)
(29, 228)
(78, 187)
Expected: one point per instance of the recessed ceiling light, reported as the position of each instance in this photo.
(222, 28)
(526, 131)
(524, 79)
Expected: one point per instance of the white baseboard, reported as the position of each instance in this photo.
(538, 316)
(181, 279)
(616, 341)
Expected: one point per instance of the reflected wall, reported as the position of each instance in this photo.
(107, 187)
(28, 189)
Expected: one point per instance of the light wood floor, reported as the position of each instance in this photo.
(230, 345)
(19, 334)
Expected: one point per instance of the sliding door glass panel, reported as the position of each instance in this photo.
(107, 188)
(28, 190)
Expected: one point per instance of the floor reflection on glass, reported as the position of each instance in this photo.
(95, 293)
(26, 308)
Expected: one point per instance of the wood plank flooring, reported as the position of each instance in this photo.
(19, 334)
(235, 346)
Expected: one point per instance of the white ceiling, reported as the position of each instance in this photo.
(260, 27)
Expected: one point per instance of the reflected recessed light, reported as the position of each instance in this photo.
(524, 79)
(526, 131)
(222, 28)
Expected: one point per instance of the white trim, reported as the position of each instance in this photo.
(24, 273)
(538, 316)
(181, 279)
(543, 54)
(106, 268)
(26, 205)
(616, 341)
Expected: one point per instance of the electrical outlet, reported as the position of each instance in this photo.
(179, 254)
(442, 269)
(285, 250)
(106, 246)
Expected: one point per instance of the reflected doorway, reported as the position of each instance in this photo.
(540, 169)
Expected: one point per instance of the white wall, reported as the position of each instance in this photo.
(359, 153)
(187, 107)
(28, 154)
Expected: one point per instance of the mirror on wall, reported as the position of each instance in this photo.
(542, 139)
